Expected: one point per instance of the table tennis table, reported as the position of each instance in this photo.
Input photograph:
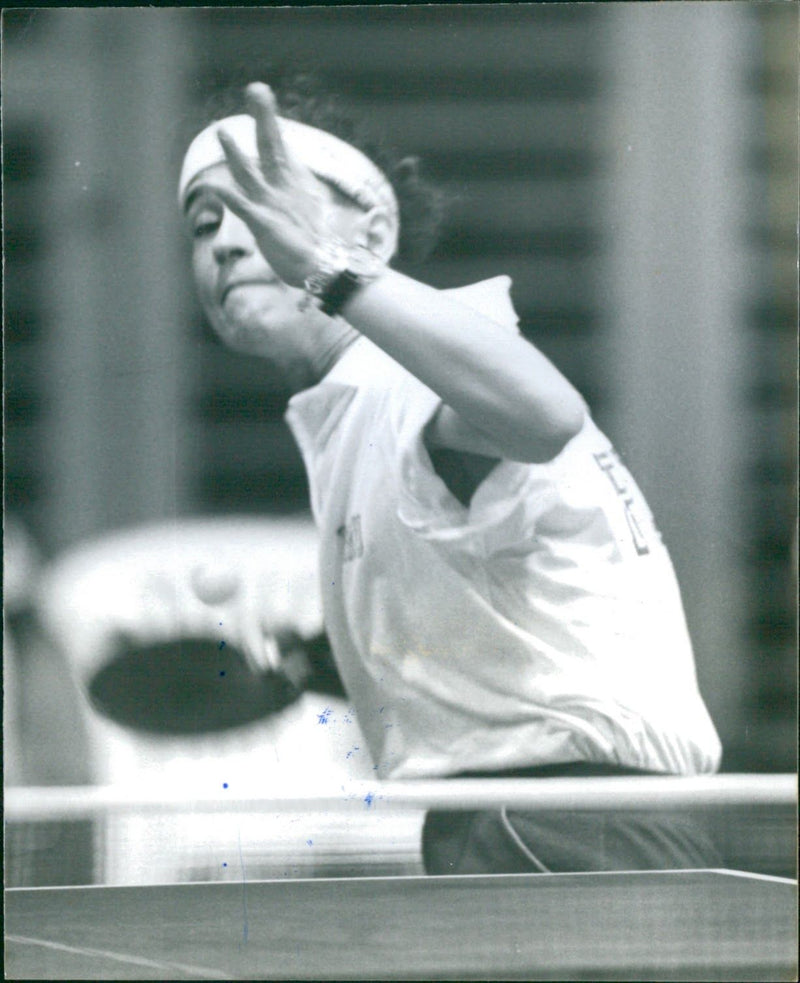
(665, 925)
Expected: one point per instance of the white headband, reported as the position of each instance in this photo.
(325, 155)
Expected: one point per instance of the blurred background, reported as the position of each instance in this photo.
(633, 167)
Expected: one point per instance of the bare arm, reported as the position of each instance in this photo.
(503, 397)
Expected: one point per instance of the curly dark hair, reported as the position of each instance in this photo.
(422, 203)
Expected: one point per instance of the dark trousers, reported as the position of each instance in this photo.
(509, 841)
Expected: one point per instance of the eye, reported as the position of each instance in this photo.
(204, 221)
(204, 225)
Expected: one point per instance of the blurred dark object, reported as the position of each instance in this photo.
(186, 686)
(196, 685)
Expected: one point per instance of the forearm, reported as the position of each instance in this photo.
(495, 381)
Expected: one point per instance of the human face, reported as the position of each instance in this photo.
(249, 307)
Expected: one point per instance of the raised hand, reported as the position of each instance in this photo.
(280, 200)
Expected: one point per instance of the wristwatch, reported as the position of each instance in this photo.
(341, 271)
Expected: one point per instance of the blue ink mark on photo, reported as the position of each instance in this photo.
(310, 842)
(224, 864)
(222, 645)
(352, 752)
(323, 717)
(222, 672)
(224, 784)
(368, 798)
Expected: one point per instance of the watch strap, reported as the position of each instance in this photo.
(339, 291)
(339, 273)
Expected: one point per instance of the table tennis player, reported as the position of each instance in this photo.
(498, 599)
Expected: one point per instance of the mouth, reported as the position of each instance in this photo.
(228, 288)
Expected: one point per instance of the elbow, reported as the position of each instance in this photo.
(542, 443)
(573, 419)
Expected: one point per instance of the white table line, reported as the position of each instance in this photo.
(201, 972)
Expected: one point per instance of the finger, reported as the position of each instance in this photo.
(245, 208)
(261, 651)
(271, 149)
(245, 172)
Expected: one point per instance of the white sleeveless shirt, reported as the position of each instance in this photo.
(542, 624)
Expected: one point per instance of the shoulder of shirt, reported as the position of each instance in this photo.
(491, 297)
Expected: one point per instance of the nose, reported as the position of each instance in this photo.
(232, 239)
